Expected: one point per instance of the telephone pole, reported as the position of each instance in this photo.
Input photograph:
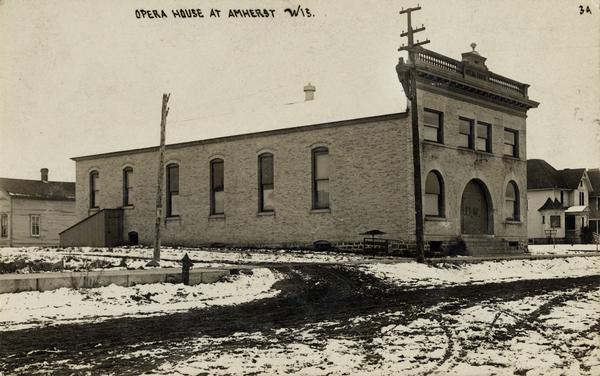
(416, 143)
(159, 191)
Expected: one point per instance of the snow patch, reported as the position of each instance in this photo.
(33, 309)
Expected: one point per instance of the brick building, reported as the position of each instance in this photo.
(333, 181)
(33, 212)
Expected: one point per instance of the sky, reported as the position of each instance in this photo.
(82, 77)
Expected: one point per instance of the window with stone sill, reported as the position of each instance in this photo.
(217, 187)
(434, 195)
(511, 145)
(511, 203)
(127, 186)
(173, 207)
(320, 177)
(265, 183)
(484, 137)
(465, 129)
(94, 189)
(433, 126)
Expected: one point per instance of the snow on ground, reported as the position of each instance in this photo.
(39, 259)
(483, 339)
(561, 249)
(226, 255)
(34, 309)
(169, 256)
(412, 274)
(88, 258)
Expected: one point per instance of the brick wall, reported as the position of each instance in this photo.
(370, 186)
(458, 166)
(371, 183)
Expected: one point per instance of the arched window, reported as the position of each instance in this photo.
(320, 176)
(172, 190)
(94, 188)
(217, 187)
(511, 202)
(265, 183)
(434, 195)
(127, 186)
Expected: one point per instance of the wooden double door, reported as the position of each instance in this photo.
(475, 209)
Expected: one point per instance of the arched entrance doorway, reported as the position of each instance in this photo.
(475, 209)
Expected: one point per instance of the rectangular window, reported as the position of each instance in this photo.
(34, 221)
(127, 187)
(543, 219)
(466, 133)
(511, 146)
(581, 198)
(434, 128)
(484, 137)
(265, 184)
(562, 196)
(217, 187)
(320, 178)
(3, 225)
(555, 221)
(173, 191)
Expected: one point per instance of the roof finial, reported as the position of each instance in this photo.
(473, 45)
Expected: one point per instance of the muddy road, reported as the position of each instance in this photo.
(309, 294)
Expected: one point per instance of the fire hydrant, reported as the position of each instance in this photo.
(186, 264)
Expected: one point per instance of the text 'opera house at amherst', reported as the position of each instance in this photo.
(333, 181)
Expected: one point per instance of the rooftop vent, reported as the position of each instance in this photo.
(44, 173)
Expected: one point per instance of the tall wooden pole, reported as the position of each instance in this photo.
(160, 181)
(416, 142)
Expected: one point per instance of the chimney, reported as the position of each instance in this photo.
(44, 172)
(309, 92)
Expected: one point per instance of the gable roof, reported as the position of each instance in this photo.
(541, 175)
(551, 205)
(39, 190)
(571, 177)
(594, 176)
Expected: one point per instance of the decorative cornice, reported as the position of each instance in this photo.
(461, 77)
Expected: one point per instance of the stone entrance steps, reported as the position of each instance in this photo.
(486, 245)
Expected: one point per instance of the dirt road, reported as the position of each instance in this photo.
(310, 294)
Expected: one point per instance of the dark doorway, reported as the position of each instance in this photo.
(475, 209)
(570, 222)
(133, 238)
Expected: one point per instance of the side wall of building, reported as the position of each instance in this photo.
(458, 166)
(370, 187)
(5, 210)
(55, 216)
